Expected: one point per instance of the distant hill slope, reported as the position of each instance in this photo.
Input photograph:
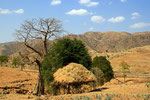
(10, 48)
(113, 41)
(97, 41)
(138, 58)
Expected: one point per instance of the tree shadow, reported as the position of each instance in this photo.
(99, 89)
(129, 80)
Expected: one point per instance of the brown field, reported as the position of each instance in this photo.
(137, 58)
(18, 85)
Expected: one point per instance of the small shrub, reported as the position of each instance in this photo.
(54, 87)
(104, 65)
(107, 97)
(147, 85)
(144, 96)
(99, 75)
(3, 59)
(124, 69)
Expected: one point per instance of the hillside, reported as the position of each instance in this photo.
(138, 59)
(97, 41)
(131, 48)
(10, 48)
(113, 41)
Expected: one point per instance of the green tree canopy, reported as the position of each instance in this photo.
(3, 59)
(99, 75)
(102, 63)
(63, 52)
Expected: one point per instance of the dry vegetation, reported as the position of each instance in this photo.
(138, 58)
(15, 83)
(19, 85)
(73, 73)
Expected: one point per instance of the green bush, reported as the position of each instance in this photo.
(54, 87)
(99, 75)
(148, 85)
(104, 65)
(68, 51)
(49, 66)
(3, 59)
(63, 52)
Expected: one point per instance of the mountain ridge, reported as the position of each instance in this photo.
(98, 41)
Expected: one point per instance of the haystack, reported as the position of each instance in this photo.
(73, 73)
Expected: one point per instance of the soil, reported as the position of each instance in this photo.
(19, 85)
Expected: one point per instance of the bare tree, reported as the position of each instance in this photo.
(40, 30)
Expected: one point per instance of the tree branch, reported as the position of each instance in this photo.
(33, 49)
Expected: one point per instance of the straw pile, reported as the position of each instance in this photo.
(73, 73)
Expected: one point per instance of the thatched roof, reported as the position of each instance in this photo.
(73, 73)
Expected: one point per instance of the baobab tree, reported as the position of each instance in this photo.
(41, 30)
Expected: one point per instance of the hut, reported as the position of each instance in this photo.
(73, 74)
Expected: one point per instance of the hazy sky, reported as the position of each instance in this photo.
(78, 16)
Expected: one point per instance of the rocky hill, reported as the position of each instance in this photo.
(10, 48)
(113, 41)
(97, 41)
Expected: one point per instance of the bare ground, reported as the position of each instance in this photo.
(19, 85)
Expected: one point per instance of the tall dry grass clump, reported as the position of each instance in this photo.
(73, 73)
(73, 76)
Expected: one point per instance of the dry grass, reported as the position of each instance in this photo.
(133, 89)
(138, 58)
(12, 77)
(118, 91)
(73, 73)
(139, 62)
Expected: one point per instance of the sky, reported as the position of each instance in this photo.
(78, 16)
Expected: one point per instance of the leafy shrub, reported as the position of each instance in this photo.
(3, 59)
(99, 75)
(54, 87)
(124, 69)
(107, 97)
(104, 65)
(147, 85)
(63, 52)
(68, 51)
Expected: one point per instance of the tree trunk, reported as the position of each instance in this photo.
(68, 91)
(40, 84)
(1, 64)
(124, 79)
(21, 68)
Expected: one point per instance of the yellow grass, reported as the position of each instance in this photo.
(138, 58)
(14, 77)
(73, 73)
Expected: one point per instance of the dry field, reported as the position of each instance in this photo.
(18, 85)
(138, 58)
